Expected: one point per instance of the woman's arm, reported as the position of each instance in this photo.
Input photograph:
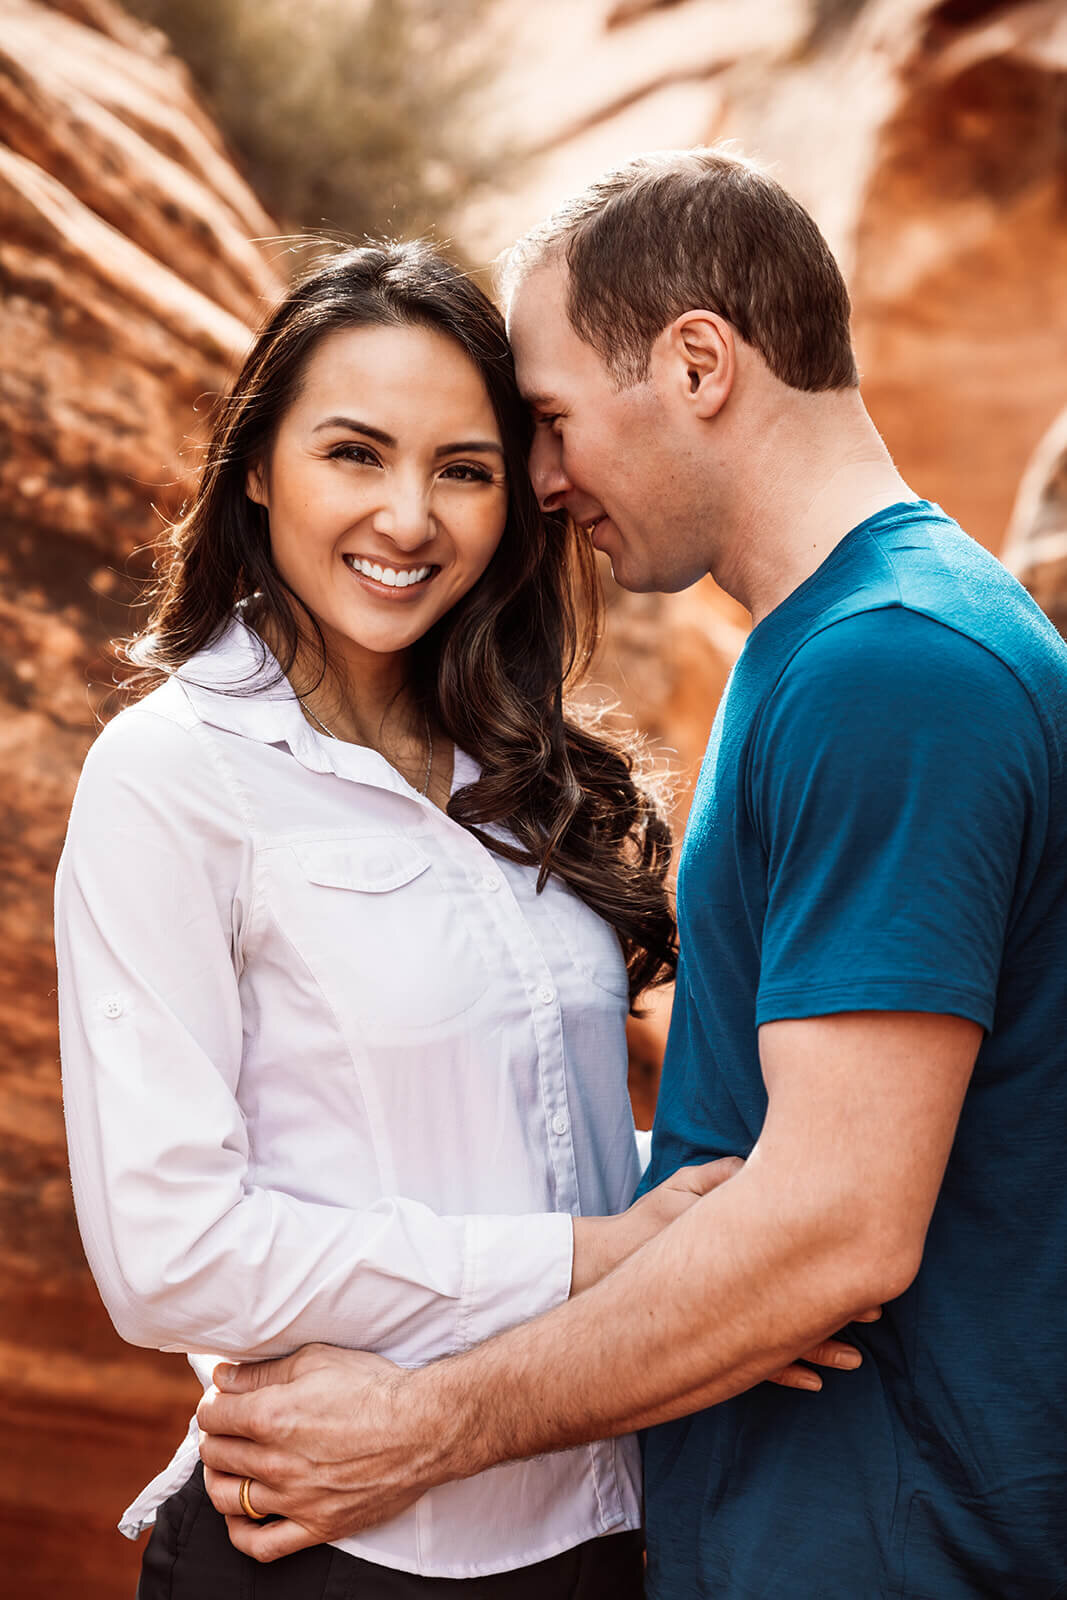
(189, 1254)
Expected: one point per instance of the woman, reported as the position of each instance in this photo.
(349, 919)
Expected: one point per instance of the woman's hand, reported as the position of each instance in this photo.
(601, 1243)
(831, 1353)
(669, 1199)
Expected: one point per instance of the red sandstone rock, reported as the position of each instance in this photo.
(928, 140)
(1036, 546)
(926, 136)
(128, 282)
(960, 270)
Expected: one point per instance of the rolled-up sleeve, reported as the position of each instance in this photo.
(153, 893)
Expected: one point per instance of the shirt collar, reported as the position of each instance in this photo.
(235, 683)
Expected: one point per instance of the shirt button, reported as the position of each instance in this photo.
(113, 1006)
(490, 882)
(560, 1124)
(546, 995)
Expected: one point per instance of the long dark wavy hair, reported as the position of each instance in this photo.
(491, 672)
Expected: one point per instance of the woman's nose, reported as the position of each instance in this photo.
(405, 516)
(551, 484)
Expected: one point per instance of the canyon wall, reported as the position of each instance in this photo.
(928, 139)
(128, 282)
(1036, 545)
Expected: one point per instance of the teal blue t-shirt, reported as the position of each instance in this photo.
(881, 824)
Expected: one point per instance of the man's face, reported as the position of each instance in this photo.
(618, 460)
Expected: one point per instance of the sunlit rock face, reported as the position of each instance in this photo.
(1036, 546)
(928, 139)
(128, 284)
(960, 253)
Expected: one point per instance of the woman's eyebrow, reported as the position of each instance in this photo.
(391, 443)
(357, 427)
(469, 444)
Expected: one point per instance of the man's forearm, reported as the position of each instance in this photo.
(723, 1298)
(827, 1218)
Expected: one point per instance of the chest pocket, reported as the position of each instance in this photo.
(383, 935)
(370, 866)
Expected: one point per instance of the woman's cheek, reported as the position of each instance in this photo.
(490, 542)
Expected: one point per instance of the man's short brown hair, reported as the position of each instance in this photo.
(697, 230)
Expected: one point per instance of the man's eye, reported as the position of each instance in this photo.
(550, 419)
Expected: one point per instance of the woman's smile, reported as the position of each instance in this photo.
(385, 487)
(390, 582)
(366, 1089)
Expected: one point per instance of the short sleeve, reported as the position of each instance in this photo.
(896, 779)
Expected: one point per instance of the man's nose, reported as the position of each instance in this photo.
(551, 484)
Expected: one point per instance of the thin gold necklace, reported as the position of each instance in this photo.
(429, 741)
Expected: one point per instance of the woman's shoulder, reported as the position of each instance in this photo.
(153, 749)
(151, 793)
(160, 725)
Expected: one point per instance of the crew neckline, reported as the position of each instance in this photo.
(899, 509)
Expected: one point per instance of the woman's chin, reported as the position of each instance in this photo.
(377, 629)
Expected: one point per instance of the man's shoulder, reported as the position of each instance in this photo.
(916, 558)
(880, 645)
(949, 629)
(903, 679)
(939, 572)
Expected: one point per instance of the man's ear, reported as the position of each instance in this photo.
(255, 487)
(704, 356)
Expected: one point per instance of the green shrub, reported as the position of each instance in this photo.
(348, 116)
(831, 16)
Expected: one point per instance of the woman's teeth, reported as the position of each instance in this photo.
(392, 578)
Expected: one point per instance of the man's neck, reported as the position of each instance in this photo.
(814, 487)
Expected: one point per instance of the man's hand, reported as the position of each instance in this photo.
(335, 1440)
(830, 1212)
(326, 1440)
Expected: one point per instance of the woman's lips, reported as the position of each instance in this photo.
(391, 583)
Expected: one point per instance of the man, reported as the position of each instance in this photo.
(872, 998)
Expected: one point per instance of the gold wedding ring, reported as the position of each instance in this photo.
(246, 1504)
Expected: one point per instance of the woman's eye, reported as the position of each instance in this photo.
(467, 472)
(361, 454)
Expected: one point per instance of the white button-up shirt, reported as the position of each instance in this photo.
(332, 1071)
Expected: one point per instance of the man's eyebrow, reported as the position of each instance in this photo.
(541, 402)
(357, 427)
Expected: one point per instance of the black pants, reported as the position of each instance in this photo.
(189, 1557)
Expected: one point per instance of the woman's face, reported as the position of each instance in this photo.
(386, 487)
